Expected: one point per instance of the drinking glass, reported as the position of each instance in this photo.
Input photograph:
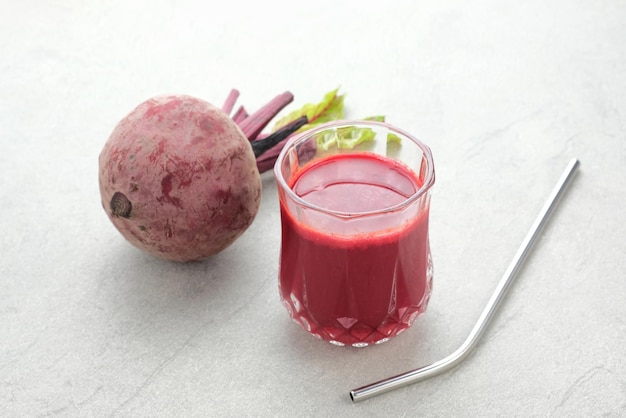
(355, 264)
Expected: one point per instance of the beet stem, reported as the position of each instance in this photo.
(254, 124)
(264, 164)
(228, 105)
(240, 115)
(262, 145)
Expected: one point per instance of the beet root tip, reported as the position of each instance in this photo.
(121, 206)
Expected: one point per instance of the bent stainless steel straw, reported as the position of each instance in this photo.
(449, 362)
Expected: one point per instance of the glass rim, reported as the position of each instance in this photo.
(429, 179)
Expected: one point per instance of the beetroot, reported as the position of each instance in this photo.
(178, 178)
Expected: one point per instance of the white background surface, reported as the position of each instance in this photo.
(504, 92)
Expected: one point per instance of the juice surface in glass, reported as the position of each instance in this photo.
(355, 280)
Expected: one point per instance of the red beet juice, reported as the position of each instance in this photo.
(362, 274)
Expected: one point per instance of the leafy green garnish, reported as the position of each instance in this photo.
(379, 118)
(329, 109)
(349, 137)
(393, 138)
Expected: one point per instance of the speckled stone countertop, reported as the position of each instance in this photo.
(504, 92)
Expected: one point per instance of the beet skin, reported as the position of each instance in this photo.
(178, 178)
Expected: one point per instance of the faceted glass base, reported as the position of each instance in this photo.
(347, 331)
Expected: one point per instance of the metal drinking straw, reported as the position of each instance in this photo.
(449, 362)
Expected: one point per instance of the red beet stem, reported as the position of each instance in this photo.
(266, 164)
(260, 146)
(228, 105)
(254, 124)
(267, 161)
(240, 115)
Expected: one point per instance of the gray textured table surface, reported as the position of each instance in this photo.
(504, 92)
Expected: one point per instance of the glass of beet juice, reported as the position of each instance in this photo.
(355, 264)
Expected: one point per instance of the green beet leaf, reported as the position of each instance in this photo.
(329, 109)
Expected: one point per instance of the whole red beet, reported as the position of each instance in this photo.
(178, 178)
